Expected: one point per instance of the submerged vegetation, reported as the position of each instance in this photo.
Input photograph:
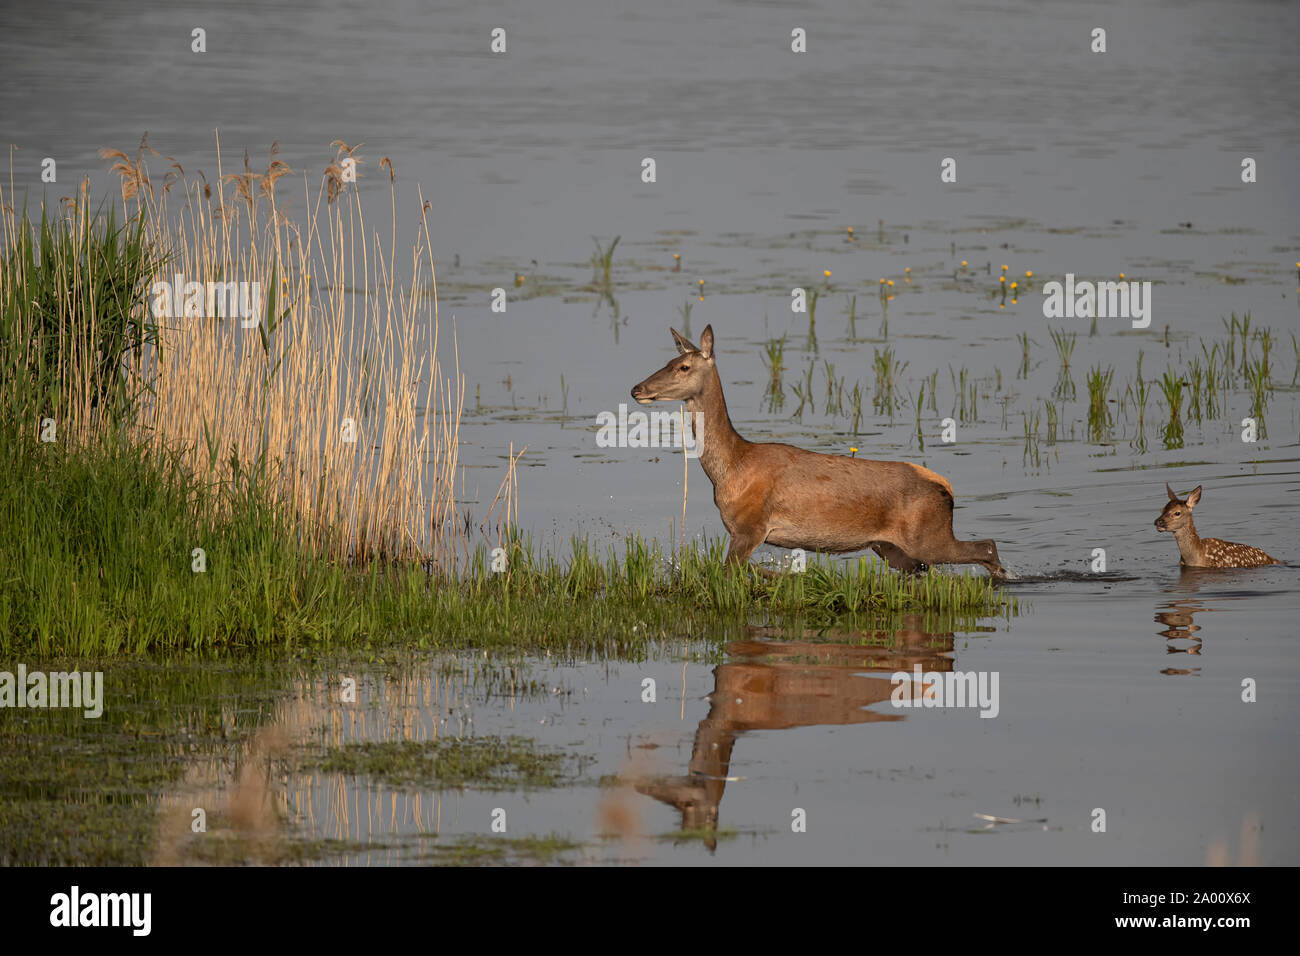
(486, 763)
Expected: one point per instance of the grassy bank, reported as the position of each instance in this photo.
(99, 551)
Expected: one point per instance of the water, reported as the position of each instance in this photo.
(1067, 162)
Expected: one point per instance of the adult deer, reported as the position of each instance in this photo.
(794, 498)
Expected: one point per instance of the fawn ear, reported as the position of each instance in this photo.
(1172, 496)
(683, 345)
(1194, 497)
(706, 342)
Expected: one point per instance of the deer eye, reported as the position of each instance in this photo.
(1177, 513)
(684, 368)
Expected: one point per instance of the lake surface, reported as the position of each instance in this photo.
(1119, 690)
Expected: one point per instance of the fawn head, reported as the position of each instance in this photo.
(1177, 514)
(682, 378)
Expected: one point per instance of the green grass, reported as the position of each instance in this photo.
(1064, 342)
(96, 548)
(70, 312)
(1025, 343)
(1172, 384)
(602, 264)
(889, 375)
(1099, 417)
(774, 358)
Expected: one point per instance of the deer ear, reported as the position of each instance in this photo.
(682, 343)
(1172, 496)
(706, 342)
(1194, 497)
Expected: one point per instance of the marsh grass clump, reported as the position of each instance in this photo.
(1064, 342)
(1031, 452)
(1196, 389)
(1099, 417)
(1138, 393)
(803, 392)
(774, 359)
(889, 374)
(834, 403)
(965, 395)
(696, 580)
(1238, 328)
(602, 265)
(1172, 385)
(1025, 342)
(1259, 384)
(1053, 421)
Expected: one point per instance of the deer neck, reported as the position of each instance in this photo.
(719, 446)
(1189, 543)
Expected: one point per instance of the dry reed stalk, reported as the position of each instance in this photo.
(686, 461)
(507, 496)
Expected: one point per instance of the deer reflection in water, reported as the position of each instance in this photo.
(770, 684)
(1177, 616)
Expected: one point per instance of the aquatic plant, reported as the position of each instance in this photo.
(602, 264)
(889, 373)
(1025, 341)
(1172, 384)
(1099, 417)
(1064, 342)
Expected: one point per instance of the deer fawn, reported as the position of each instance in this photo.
(794, 498)
(1198, 552)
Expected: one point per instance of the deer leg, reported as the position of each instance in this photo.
(743, 545)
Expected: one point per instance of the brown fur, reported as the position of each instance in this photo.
(1198, 552)
(794, 498)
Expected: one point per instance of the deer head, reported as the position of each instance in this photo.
(1177, 514)
(684, 377)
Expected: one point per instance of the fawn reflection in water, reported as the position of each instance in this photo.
(1181, 631)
